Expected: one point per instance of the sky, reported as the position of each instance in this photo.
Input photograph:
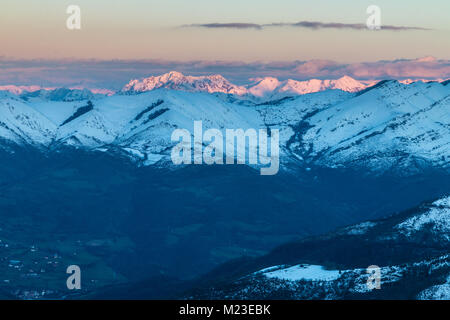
(174, 33)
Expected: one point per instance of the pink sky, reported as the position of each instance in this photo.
(113, 74)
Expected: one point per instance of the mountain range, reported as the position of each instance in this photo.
(86, 178)
(410, 248)
(379, 127)
(259, 89)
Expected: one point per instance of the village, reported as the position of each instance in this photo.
(38, 271)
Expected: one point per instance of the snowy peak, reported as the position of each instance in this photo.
(435, 217)
(345, 83)
(23, 125)
(17, 90)
(408, 246)
(35, 92)
(260, 88)
(177, 81)
(389, 125)
(60, 94)
(272, 88)
(386, 120)
(263, 86)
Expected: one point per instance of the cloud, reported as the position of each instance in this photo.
(335, 25)
(113, 74)
(426, 67)
(314, 25)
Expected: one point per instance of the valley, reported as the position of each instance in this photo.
(88, 180)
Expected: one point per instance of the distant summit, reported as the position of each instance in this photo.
(263, 88)
(273, 88)
(177, 81)
(34, 92)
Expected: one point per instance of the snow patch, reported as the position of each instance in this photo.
(438, 292)
(361, 228)
(302, 272)
(437, 216)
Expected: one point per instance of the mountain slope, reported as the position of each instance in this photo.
(186, 221)
(390, 126)
(272, 88)
(411, 249)
(21, 124)
(36, 93)
(178, 81)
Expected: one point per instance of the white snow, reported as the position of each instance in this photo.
(56, 111)
(176, 80)
(44, 93)
(437, 292)
(135, 152)
(361, 228)
(152, 158)
(302, 272)
(378, 127)
(437, 217)
(261, 88)
(20, 89)
(385, 122)
(22, 124)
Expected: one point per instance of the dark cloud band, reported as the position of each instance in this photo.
(314, 25)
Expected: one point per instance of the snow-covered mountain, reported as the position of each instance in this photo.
(177, 81)
(259, 89)
(36, 92)
(380, 127)
(387, 123)
(408, 250)
(62, 146)
(62, 94)
(272, 88)
(411, 250)
(17, 90)
(20, 124)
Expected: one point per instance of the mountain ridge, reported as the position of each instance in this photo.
(379, 127)
(259, 88)
(410, 248)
